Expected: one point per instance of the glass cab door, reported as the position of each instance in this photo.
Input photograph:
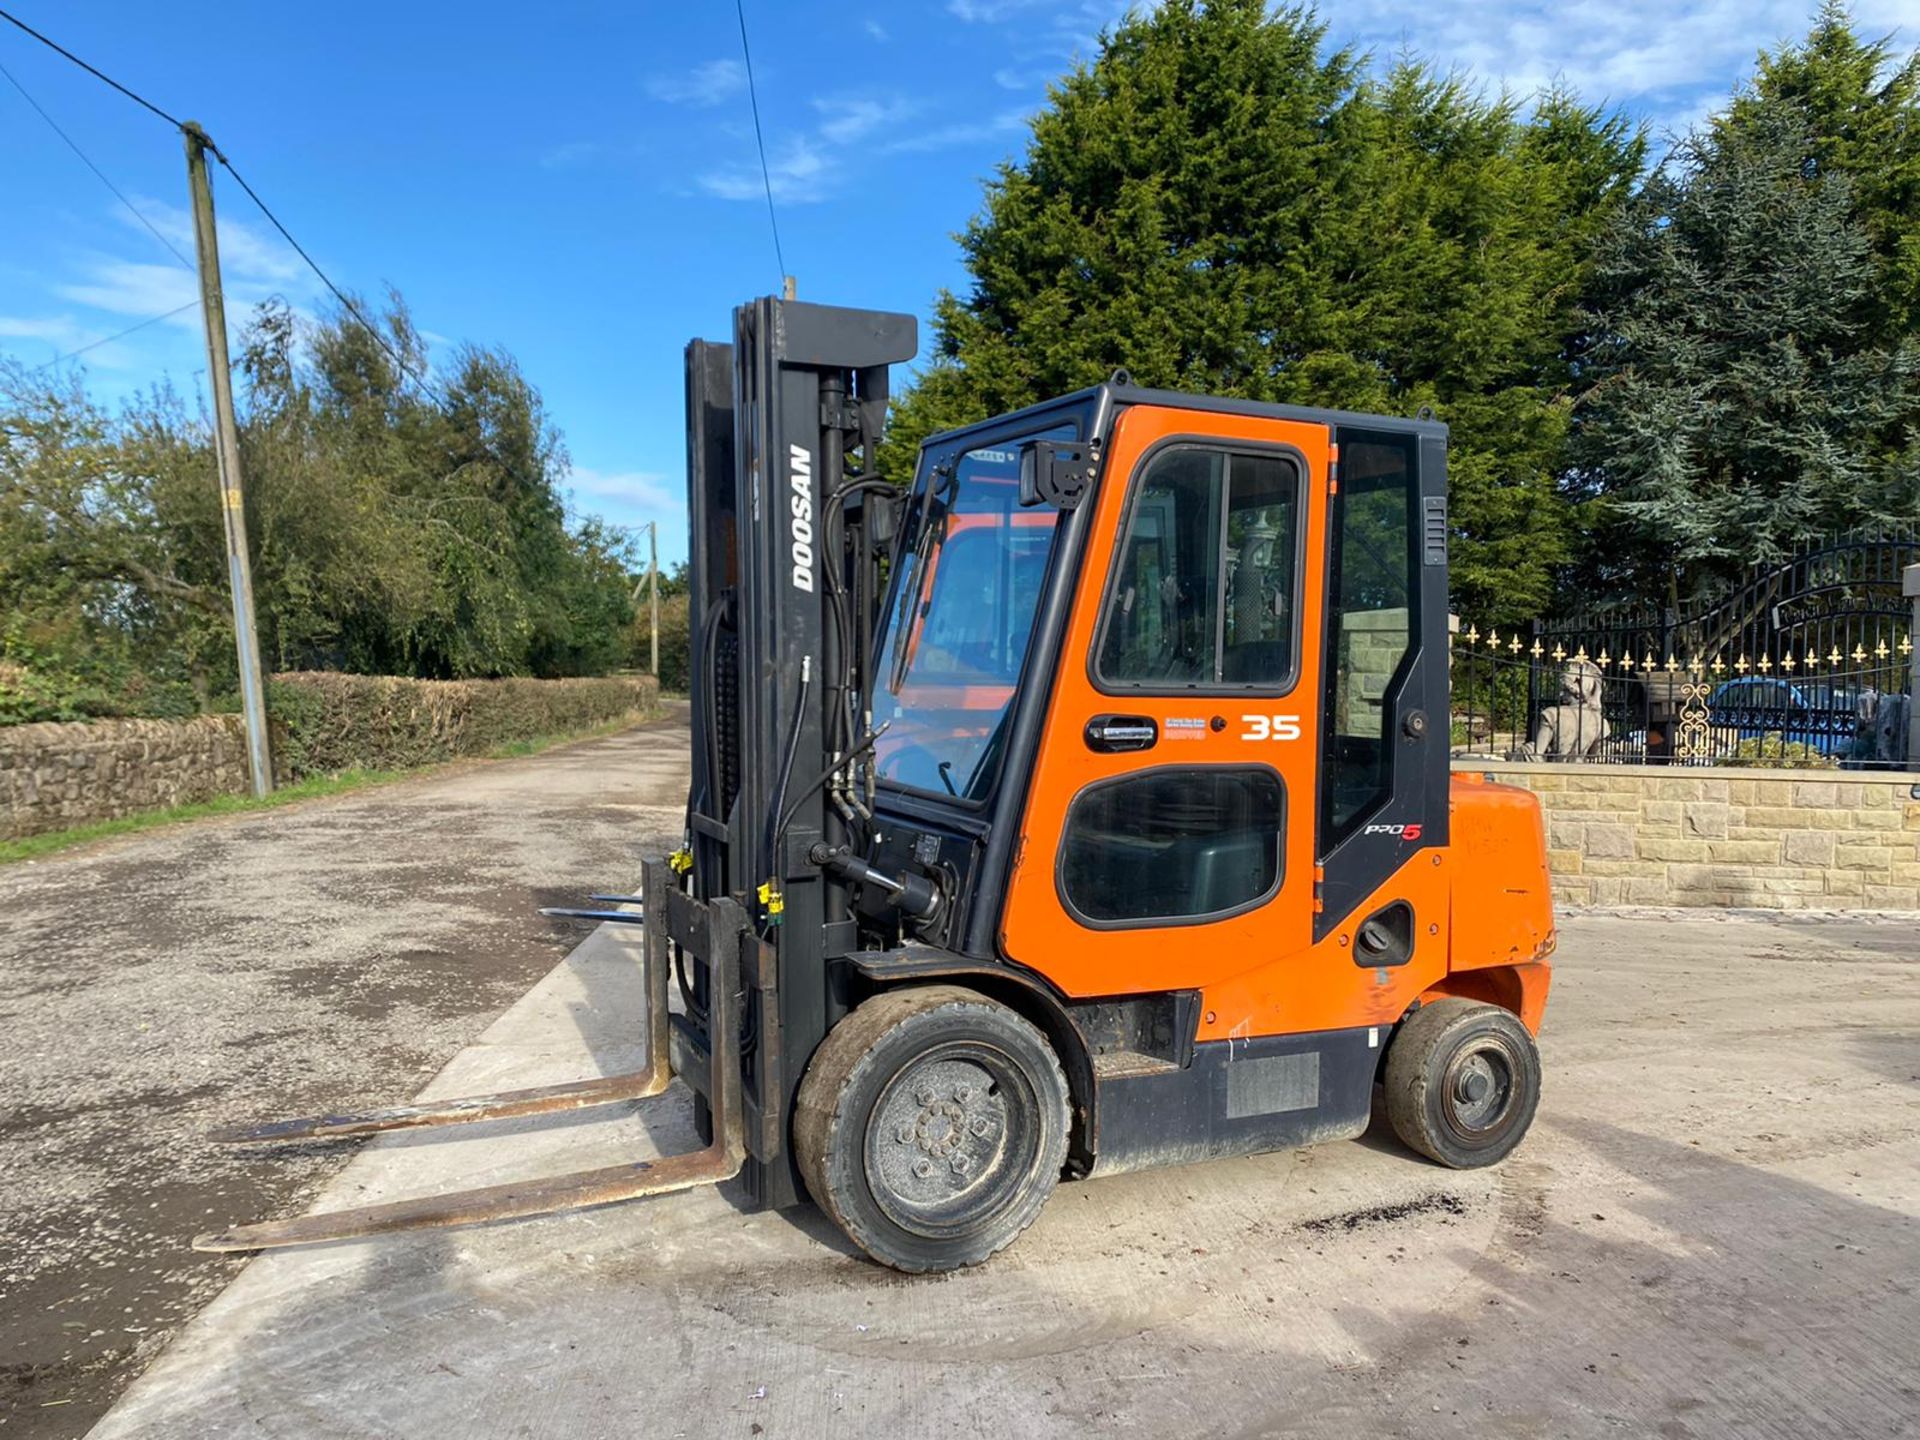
(1168, 840)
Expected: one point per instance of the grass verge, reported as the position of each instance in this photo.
(32, 847)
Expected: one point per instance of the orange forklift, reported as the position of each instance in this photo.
(1084, 807)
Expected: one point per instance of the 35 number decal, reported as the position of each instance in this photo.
(1270, 727)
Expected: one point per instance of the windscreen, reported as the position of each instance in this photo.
(959, 624)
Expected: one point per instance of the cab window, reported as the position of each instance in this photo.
(1204, 592)
(1172, 846)
(1372, 610)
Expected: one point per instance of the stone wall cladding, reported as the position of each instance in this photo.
(1764, 839)
(53, 776)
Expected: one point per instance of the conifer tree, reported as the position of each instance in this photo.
(1738, 391)
(1220, 202)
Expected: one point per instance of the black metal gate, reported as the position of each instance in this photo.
(1806, 662)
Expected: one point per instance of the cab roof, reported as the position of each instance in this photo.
(1107, 400)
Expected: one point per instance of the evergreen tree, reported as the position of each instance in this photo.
(1736, 388)
(1219, 203)
(1861, 111)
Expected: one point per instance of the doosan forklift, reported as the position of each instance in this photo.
(1084, 807)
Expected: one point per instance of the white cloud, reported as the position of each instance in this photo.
(962, 132)
(809, 167)
(129, 287)
(848, 118)
(1060, 31)
(990, 12)
(254, 263)
(621, 495)
(102, 347)
(799, 173)
(705, 84)
(875, 31)
(1671, 63)
(103, 292)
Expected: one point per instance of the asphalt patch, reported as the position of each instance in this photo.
(1367, 1219)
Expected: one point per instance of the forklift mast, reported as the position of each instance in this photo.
(786, 524)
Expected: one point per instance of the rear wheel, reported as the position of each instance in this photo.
(1462, 1082)
(932, 1127)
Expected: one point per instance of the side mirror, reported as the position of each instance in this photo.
(1054, 472)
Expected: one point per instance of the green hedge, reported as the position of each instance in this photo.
(325, 723)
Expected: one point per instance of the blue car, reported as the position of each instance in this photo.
(1822, 716)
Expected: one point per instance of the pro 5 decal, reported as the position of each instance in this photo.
(1408, 833)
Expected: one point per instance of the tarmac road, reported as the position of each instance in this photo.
(330, 954)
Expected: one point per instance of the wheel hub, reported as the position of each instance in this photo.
(944, 1128)
(1479, 1088)
(939, 1141)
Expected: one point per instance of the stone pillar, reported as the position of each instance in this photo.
(1910, 583)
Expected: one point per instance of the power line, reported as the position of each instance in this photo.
(97, 74)
(313, 265)
(99, 174)
(353, 311)
(766, 175)
(96, 344)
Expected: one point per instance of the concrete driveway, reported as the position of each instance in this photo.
(327, 955)
(1711, 1232)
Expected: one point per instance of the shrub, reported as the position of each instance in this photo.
(1776, 752)
(324, 723)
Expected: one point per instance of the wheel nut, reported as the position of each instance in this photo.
(904, 1134)
(961, 1164)
(981, 1128)
(963, 1093)
(923, 1168)
(925, 1095)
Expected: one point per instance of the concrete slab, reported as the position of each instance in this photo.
(1712, 1231)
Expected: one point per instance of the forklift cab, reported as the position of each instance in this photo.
(1161, 689)
(1206, 664)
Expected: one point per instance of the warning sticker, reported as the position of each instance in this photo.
(1176, 727)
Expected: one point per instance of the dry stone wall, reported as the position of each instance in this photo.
(1655, 835)
(53, 776)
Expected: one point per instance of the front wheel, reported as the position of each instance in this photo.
(1462, 1082)
(932, 1126)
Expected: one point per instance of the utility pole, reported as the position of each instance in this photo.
(226, 446)
(653, 579)
(653, 582)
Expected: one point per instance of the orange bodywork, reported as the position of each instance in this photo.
(1482, 921)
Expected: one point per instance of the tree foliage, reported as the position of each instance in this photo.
(389, 534)
(1218, 202)
(1859, 106)
(1748, 371)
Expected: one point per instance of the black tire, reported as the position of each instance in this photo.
(1462, 1082)
(932, 1126)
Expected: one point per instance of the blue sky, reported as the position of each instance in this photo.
(578, 183)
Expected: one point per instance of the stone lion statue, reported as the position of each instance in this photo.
(1574, 728)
